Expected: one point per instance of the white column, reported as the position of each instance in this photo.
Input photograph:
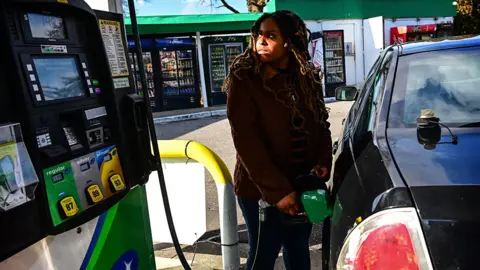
(202, 71)
(98, 4)
(115, 6)
(106, 5)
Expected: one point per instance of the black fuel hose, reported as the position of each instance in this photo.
(153, 136)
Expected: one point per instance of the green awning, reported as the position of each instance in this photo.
(185, 24)
(307, 9)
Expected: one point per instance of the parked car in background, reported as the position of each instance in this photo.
(405, 187)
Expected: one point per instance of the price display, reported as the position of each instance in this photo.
(107, 157)
(85, 166)
(57, 177)
(69, 206)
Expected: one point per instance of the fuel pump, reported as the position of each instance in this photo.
(74, 135)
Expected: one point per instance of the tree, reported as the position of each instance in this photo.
(256, 5)
(467, 21)
(465, 7)
(252, 5)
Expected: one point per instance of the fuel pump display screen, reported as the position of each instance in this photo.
(45, 26)
(85, 166)
(59, 78)
(107, 158)
(57, 177)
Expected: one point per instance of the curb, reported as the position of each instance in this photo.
(190, 116)
(199, 115)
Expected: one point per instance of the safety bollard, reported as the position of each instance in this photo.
(226, 196)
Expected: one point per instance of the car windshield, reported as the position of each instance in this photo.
(447, 82)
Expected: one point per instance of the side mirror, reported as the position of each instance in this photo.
(346, 93)
(428, 130)
(316, 205)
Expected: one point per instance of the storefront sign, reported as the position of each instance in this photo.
(402, 34)
(333, 34)
(424, 28)
(228, 39)
(145, 43)
(169, 42)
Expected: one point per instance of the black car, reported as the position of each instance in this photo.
(405, 187)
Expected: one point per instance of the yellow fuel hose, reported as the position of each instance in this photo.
(198, 152)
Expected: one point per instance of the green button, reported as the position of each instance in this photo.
(95, 82)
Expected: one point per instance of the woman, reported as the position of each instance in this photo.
(280, 131)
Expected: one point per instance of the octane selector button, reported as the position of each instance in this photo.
(116, 183)
(94, 194)
(68, 207)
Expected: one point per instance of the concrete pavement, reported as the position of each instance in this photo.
(214, 132)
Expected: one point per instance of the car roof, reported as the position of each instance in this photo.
(438, 44)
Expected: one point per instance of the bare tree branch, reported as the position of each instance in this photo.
(224, 2)
(256, 5)
(226, 5)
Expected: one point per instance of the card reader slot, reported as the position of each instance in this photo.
(72, 127)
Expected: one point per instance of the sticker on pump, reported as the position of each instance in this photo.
(113, 40)
(117, 182)
(69, 206)
(95, 193)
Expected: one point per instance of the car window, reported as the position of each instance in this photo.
(446, 82)
(366, 86)
(378, 87)
(361, 123)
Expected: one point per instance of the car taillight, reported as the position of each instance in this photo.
(391, 239)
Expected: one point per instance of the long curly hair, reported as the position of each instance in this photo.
(296, 33)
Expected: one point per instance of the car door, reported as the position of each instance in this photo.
(349, 189)
(365, 154)
(343, 161)
(341, 145)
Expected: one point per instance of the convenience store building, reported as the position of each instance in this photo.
(347, 37)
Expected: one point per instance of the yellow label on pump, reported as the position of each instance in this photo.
(69, 206)
(95, 193)
(63, 1)
(117, 182)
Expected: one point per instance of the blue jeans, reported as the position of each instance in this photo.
(274, 235)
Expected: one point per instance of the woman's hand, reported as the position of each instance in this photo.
(289, 204)
(321, 172)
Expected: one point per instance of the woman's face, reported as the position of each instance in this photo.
(270, 44)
